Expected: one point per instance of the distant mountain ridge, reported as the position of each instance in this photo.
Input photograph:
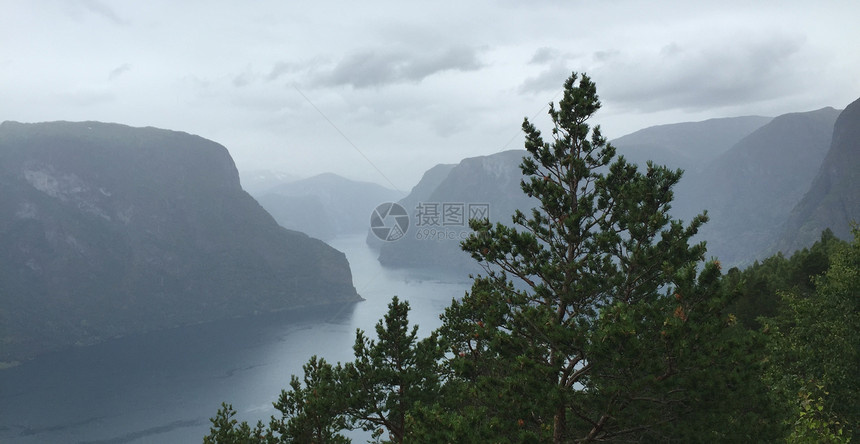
(326, 205)
(750, 189)
(110, 230)
(687, 145)
(496, 179)
(492, 180)
(833, 199)
(748, 172)
(421, 192)
(258, 181)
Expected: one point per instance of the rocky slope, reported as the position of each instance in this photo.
(833, 199)
(750, 189)
(491, 182)
(420, 193)
(109, 230)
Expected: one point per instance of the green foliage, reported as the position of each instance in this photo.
(756, 289)
(814, 423)
(313, 411)
(592, 322)
(388, 378)
(226, 429)
(390, 374)
(815, 349)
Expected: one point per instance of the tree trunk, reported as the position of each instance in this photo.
(559, 425)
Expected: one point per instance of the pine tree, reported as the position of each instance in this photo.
(376, 392)
(596, 320)
(390, 374)
(226, 429)
(313, 410)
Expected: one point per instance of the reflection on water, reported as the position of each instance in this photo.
(163, 386)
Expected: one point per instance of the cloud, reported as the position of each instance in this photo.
(103, 10)
(118, 71)
(720, 74)
(544, 55)
(86, 97)
(280, 69)
(378, 68)
(557, 68)
(243, 79)
(550, 79)
(603, 56)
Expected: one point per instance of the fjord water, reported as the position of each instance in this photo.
(164, 386)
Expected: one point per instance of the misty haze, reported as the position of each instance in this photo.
(475, 223)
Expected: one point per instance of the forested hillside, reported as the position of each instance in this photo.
(109, 230)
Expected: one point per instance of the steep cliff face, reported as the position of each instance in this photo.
(833, 199)
(477, 183)
(750, 189)
(109, 230)
(420, 193)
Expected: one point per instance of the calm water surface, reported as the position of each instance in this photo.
(163, 387)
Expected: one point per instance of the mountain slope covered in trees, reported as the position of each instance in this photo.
(109, 230)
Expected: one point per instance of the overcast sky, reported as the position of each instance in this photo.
(382, 91)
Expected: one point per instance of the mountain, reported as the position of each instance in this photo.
(302, 213)
(326, 205)
(109, 230)
(495, 179)
(750, 189)
(425, 187)
(420, 193)
(485, 185)
(687, 145)
(260, 181)
(833, 199)
(748, 172)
